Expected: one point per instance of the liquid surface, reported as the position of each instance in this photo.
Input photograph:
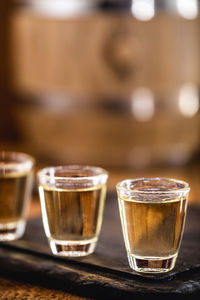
(152, 229)
(14, 195)
(72, 214)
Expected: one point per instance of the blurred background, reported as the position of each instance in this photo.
(107, 83)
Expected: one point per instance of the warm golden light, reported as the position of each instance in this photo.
(143, 105)
(143, 10)
(61, 8)
(188, 9)
(189, 100)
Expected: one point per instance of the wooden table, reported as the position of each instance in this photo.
(11, 289)
(103, 275)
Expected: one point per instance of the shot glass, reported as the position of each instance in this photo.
(72, 201)
(16, 178)
(152, 212)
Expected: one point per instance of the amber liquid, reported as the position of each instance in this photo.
(152, 229)
(14, 195)
(72, 215)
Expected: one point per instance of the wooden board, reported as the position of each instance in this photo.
(106, 273)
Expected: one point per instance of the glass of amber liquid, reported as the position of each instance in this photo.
(152, 212)
(72, 201)
(16, 176)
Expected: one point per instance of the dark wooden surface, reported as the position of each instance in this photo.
(16, 290)
(104, 274)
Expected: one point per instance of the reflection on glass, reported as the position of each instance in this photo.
(152, 212)
(143, 10)
(72, 202)
(188, 8)
(143, 105)
(189, 99)
(16, 177)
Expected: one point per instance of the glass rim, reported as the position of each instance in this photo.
(185, 188)
(42, 173)
(27, 157)
(12, 162)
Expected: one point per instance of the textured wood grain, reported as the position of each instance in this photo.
(10, 289)
(101, 54)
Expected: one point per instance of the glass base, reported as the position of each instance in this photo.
(12, 231)
(73, 248)
(152, 265)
